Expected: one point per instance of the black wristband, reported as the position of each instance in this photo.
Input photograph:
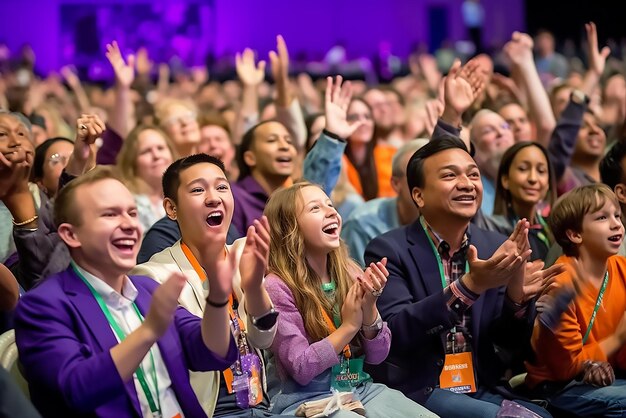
(216, 305)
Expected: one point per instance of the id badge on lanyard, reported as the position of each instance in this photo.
(243, 377)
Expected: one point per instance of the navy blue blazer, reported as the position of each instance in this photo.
(415, 309)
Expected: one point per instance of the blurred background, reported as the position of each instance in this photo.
(363, 36)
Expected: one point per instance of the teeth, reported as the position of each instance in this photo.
(331, 226)
(214, 214)
(125, 242)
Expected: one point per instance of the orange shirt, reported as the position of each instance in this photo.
(560, 353)
(383, 154)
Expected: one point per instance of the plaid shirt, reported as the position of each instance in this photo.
(458, 297)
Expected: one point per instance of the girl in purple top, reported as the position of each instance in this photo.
(328, 324)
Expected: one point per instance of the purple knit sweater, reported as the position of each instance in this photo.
(296, 357)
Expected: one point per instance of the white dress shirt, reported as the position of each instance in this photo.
(122, 311)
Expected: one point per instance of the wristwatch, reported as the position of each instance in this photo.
(579, 97)
(266, 321)
(376, 326)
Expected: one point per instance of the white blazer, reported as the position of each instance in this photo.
(193, 297)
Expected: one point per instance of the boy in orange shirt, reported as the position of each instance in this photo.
(576, 361)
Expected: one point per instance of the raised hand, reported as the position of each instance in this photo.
(255, 255)
(124, 71)
(70, 76)
(164, 303)
(88, 129)
(535, 278)
(220, 272)
(143, 63)
(597, 58)
(461, 87)
(248, 72)
(351, 310)
(279, 61)
(337, 99)
(15, 165)
(504, 265)
(373, 281)
(519, 50)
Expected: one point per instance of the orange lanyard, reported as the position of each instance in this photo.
(333, 328)
(202, 274)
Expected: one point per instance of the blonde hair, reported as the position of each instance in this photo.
(287, 261)
(127, 157)
(570, 210)
(65, 208)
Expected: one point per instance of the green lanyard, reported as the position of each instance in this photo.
(328, 288)
(444, 283)
(598, 303)
(156, 410)
(542, 234)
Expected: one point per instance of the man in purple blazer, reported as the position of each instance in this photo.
(95, 342)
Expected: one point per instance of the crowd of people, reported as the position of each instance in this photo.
(444, 245)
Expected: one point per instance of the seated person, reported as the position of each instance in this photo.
(93, 341)
(328, 325)
(444, 305)
(577, 360)
(199, 200)
(378, 216)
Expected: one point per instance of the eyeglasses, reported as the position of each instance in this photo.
(57, 158)
(180, 119)
(492, 129)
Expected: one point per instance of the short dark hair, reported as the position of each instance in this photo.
(611, 170)
(415, 168)
(171, 177)
(247, 142)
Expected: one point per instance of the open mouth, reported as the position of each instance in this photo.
(465, 198)
(284, 160)
(615, 238)
(331, 229)
(125, 244)
(215, 218)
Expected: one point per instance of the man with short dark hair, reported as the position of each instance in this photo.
(446, 307)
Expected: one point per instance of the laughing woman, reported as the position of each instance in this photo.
(146, 153)
(328, 323)
(526, 180)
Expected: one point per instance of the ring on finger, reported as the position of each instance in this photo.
(377, 293)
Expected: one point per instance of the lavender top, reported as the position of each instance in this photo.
(299, 359)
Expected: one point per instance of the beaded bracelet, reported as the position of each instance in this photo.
(26, 222)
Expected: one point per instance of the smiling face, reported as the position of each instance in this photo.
(13, 134)
(153, 156)
(591, 138)
(107, 238)
(528, 179)
(492, 136)
(517, 119)
(216, 142)
(318, 221)
(452, 186)
(602, 231)
(272, 152)
(359, 111)
(204, 207)
(55, 161)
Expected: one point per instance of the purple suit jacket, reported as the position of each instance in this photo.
(64, 341)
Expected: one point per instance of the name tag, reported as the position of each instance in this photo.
(458, 373)
(347, 374)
